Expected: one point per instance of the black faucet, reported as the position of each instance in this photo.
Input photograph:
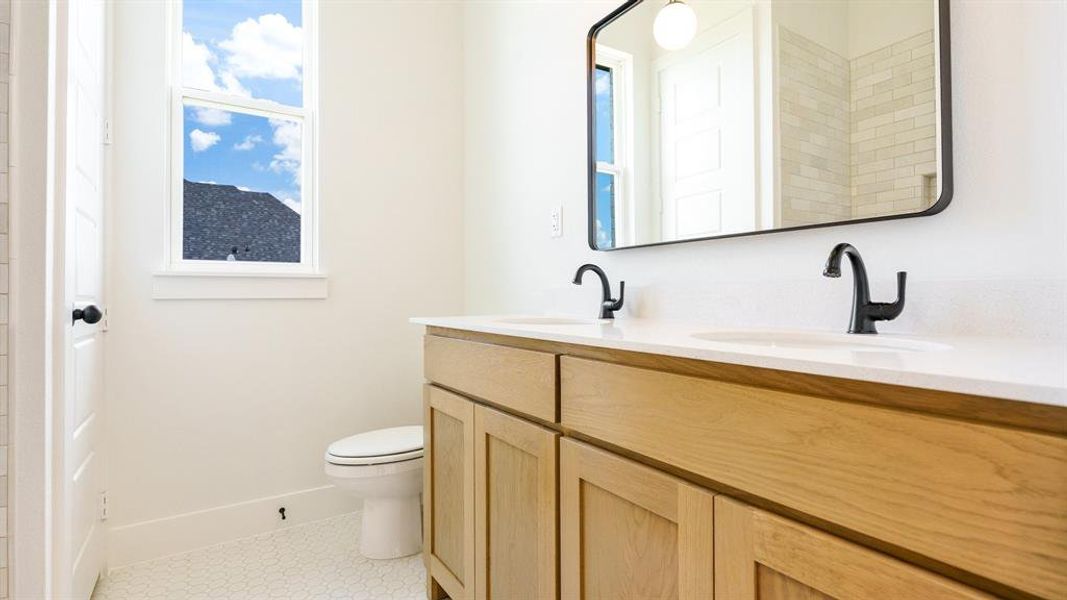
(864, 312)
(608, 305)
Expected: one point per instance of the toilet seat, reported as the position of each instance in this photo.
(382, 446)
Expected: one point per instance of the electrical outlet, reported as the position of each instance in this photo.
(556, 217)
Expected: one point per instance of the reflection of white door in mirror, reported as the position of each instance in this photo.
(706, 168)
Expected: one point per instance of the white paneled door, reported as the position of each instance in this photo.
(706, 133)
(80, 192)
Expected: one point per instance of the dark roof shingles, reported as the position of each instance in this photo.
(219, 218)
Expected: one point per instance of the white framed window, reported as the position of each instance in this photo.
(242, 145)
(613, 106)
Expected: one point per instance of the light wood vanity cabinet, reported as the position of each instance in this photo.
(686, 479)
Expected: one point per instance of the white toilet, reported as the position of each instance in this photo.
(384, 468)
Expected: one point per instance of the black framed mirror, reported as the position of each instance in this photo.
(715, 118)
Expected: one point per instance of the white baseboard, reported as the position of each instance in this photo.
(180, 533)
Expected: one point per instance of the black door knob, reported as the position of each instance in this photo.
(90, 314)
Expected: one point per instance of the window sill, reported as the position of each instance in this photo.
(176, 285)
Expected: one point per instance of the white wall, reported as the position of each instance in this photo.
(825, 23)
(212, 403)
(994, 262)
(852, 28)
(876, 24)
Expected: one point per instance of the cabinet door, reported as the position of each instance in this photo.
(630, 531)
(448, 495)
(514, 507)
(760, 555)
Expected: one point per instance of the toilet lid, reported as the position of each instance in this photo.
(394, 444)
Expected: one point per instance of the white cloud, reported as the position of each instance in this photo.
(292, 204)
(212, 117)
(248, 143)
(202, 140)
(243, 188)
(269, 47)
(196, 64)
(287, 135)
(198, 73)
(601, 86)
(231, 85)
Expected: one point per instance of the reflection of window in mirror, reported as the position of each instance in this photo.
(613, 138)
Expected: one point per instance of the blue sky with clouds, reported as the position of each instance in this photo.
(604, 122)
(248, 48)
(603, 104)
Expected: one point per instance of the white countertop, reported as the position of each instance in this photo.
(1025, 370)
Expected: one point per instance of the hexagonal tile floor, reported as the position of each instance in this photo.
(312, 561)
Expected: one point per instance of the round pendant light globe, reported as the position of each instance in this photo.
(675, 25)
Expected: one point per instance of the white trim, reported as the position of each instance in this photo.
(156, 538)
(177, 285)
(249, 106)
(32, 134)
(768, 121)
(305, 115)
(232, 268)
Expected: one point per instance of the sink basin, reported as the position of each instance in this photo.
(547, 321)
(814, 340)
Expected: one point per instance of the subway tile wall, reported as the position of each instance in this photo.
(813, 101)
(857, 138)
(894, 160)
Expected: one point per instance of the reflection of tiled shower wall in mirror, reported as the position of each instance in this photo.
(857, 138)
(893, 128)
(813, 100)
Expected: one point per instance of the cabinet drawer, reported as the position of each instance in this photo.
(762, 556)
(514, 378)
(989, 500)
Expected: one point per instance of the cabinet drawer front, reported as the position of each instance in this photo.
(514, 378)
(762, 556)
(987, 500)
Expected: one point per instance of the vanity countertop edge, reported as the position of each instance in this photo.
(1033, 371)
